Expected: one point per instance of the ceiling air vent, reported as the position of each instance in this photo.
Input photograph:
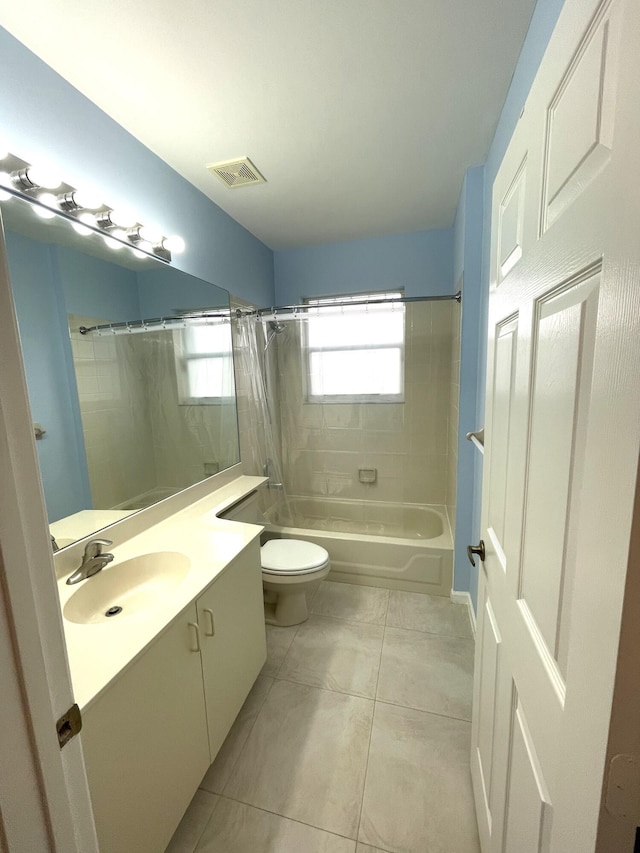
(237, 173)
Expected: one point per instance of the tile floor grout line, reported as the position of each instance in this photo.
(326, 689)
(431, 633)
(423, 711)
(340, 619)
(204, 828)
(285, 817)
(373, 716)
(246, 740)
(275, 675)
(345, 619)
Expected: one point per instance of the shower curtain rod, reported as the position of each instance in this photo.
(264, 313)
(154, 324)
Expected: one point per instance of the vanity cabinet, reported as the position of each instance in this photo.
(145, 744)
(149, 739)
(232, 640)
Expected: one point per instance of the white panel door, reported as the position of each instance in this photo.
(562, 437)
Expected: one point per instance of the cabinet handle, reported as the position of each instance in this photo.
(212, 628)
(196, 636)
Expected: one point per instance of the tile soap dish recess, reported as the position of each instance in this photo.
(368, 475)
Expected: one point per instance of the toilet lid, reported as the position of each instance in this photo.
(292, 555)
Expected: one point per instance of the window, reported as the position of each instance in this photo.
(204, 363)
(355, 353)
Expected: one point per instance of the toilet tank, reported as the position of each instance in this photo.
(247, 510)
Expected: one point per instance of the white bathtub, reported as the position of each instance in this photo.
(397, 546)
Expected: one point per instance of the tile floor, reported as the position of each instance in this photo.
(354, 739)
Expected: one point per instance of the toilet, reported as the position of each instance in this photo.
(291, 571)
(291, 568)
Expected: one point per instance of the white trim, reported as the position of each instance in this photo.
(49, 795)
(465, 598)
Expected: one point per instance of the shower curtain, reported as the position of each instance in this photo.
(261, 446)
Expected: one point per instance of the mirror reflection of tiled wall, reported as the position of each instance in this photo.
(141, 445)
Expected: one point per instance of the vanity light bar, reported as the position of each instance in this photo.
(83, 208)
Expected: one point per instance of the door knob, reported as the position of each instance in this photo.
(476, 549)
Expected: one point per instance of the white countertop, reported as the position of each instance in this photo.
(99, 652)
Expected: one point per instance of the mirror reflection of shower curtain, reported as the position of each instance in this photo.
(257, 377)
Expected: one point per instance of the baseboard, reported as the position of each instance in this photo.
(465, 598)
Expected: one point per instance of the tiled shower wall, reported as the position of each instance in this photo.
(408, 443)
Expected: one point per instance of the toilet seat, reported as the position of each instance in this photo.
(292, 557)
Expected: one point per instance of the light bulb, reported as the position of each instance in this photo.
(174, 244)
(43, 176)
(87, 199)
(138, 253)
(122, 217)
(3, 153)
(43, 212)
(120, 234)
(151, 234)
(49, 199)
(87, 219)
(5, 179)
(111, 243)
(81, 229)
(5, 196)
(144, 246)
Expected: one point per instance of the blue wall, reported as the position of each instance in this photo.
(43, 118)
(39, 299)
(96, 288)
(421, 263)
(164, 291)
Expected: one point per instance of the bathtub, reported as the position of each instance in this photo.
(397, 546)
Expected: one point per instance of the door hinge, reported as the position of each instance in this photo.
(69, 725)
(623, 787)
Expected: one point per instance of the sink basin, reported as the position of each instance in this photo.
(133, 585)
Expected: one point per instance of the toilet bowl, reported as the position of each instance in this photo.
(291, 572)
(291, 568)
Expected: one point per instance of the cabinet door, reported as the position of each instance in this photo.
(231, 618)
(145, 744)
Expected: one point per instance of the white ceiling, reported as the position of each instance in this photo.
(361, 114)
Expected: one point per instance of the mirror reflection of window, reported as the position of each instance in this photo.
(204, 364)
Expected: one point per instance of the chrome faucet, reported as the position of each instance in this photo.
(93, 560)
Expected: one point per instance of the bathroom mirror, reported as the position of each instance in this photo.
(122, 419)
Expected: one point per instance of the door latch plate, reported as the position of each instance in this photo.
(69, 725)
(623, 788)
